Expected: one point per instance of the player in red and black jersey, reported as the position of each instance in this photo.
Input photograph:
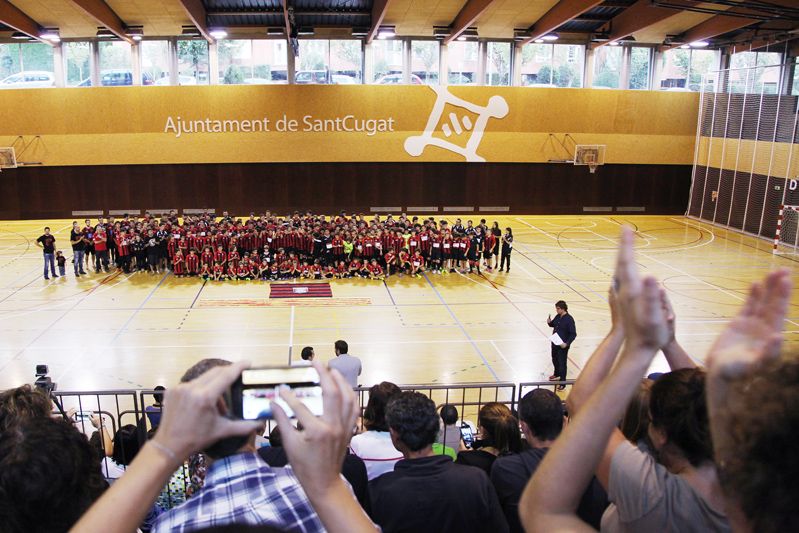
(178, 263)
(417, 264)
(192, 263)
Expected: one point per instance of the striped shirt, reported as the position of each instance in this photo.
(243, 489)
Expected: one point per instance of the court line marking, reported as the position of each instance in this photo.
(291, 333)
(458, 322)
(138, 309)
(515, 372)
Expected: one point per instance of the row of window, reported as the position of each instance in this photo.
(263, 61)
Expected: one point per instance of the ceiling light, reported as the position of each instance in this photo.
(685, 47)
(700, 44)
(538, 41)
(190, 31)
(275, 31)
(50, 34)
(386, 32)
(218, 33)
(440, 31)
(468, 34)
(305, 30)
(550, 37)
(360, 31)
(135, 32)
(105, 33)
(20, 36)
(614, 43)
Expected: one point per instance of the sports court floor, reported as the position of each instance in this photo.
(118, 331)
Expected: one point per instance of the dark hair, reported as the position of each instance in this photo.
(159, 396)
(306, 353)
(501, 429)
(542, 411)
(341, 346)
(222, 447)
(126, 445)
(562, 305)
(20, 404)
(635, 423)
(760, 474)
(47, 227)
(49, 476)
(678, 408)
(374, 416)
(275, 437)
(449, 414)
(412, 415)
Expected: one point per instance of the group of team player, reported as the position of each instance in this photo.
(305, 246)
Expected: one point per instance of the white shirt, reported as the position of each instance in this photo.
(376, 451)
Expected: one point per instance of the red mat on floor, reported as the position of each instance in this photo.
(300, 290)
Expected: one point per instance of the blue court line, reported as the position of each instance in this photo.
(136, 312)
(389, 294)
(198, 294)
(455, 318)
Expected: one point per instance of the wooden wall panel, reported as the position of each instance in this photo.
(532, 188)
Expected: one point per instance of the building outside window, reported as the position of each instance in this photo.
(193, 62)
(498, 59)
(552, 65)
(424, 62)
(77, 61)
(683, 69)
(744, 78)
(387, 62)
(335, 61)
(155, 61)
(26, 66)
(640, 61)
(462, 61)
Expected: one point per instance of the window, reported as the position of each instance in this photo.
(462, 60)
(567, 65)
(703, 62)
(536, 66)
(252, 62)
(498, 63)
(334, 61)
(387, 62)
(607, 67)
(552, 65)
(193, 62)
(755, 72)
(795, 91)
(640, 59)
(154, 62)
(674, 69)
(116, 64)
(684, 68)
(424, 62)
(26, 65)
(78, 60)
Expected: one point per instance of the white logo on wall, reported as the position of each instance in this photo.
(497, 108)
(792, 185)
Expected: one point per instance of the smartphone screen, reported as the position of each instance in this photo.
(258, 389)
(466, 433)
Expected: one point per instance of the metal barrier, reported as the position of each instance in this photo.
(524, 388)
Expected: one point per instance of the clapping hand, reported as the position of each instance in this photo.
(755, 334)
(641, 302)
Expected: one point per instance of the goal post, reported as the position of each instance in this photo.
(786, 237)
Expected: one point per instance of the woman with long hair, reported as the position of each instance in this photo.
(499, 434)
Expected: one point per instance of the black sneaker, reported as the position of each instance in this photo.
(46, 278)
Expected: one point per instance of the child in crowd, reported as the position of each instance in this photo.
(62, 263)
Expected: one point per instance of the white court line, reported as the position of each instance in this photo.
(515, 372)
(291, 333)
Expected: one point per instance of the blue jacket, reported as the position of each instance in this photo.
(565, 328)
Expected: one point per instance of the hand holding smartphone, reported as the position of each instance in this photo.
(252, 395)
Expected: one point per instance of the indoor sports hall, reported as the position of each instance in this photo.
(333, 132)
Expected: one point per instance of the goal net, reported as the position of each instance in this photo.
(786, 238)
(746, 156)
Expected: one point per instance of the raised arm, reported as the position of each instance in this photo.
(190, 422)
(550, 500)
(600, 362)
(676, 356)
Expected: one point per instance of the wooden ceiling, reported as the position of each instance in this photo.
(589, 21)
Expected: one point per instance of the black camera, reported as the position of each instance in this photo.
(43, 381)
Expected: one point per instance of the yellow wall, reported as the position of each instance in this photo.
(758, 157)
(93, 126)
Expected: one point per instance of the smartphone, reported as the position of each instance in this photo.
(252, 395)
(85, 415)
(466, 433)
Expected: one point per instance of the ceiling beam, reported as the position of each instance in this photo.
(286, 21)
(14, 17)
(638, 16)
(467, 16)
(279, 11)
(716, 25)
(196, 11)
(379, 9)
(562, 12)
(105, 16)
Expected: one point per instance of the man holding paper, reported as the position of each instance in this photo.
(564, 333)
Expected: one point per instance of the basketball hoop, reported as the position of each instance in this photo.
(8, 158)
(589, 155)
(592, 167)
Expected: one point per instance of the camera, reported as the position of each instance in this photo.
(43, 381)
(252, 395)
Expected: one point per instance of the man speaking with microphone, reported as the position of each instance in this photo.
(565, 332)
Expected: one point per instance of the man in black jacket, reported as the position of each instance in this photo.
(563, 326)
(542, 418)
(427, 492)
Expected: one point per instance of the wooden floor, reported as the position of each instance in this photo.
(112, 331)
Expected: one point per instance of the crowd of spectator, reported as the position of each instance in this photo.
(695, 449)
(270, 247)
